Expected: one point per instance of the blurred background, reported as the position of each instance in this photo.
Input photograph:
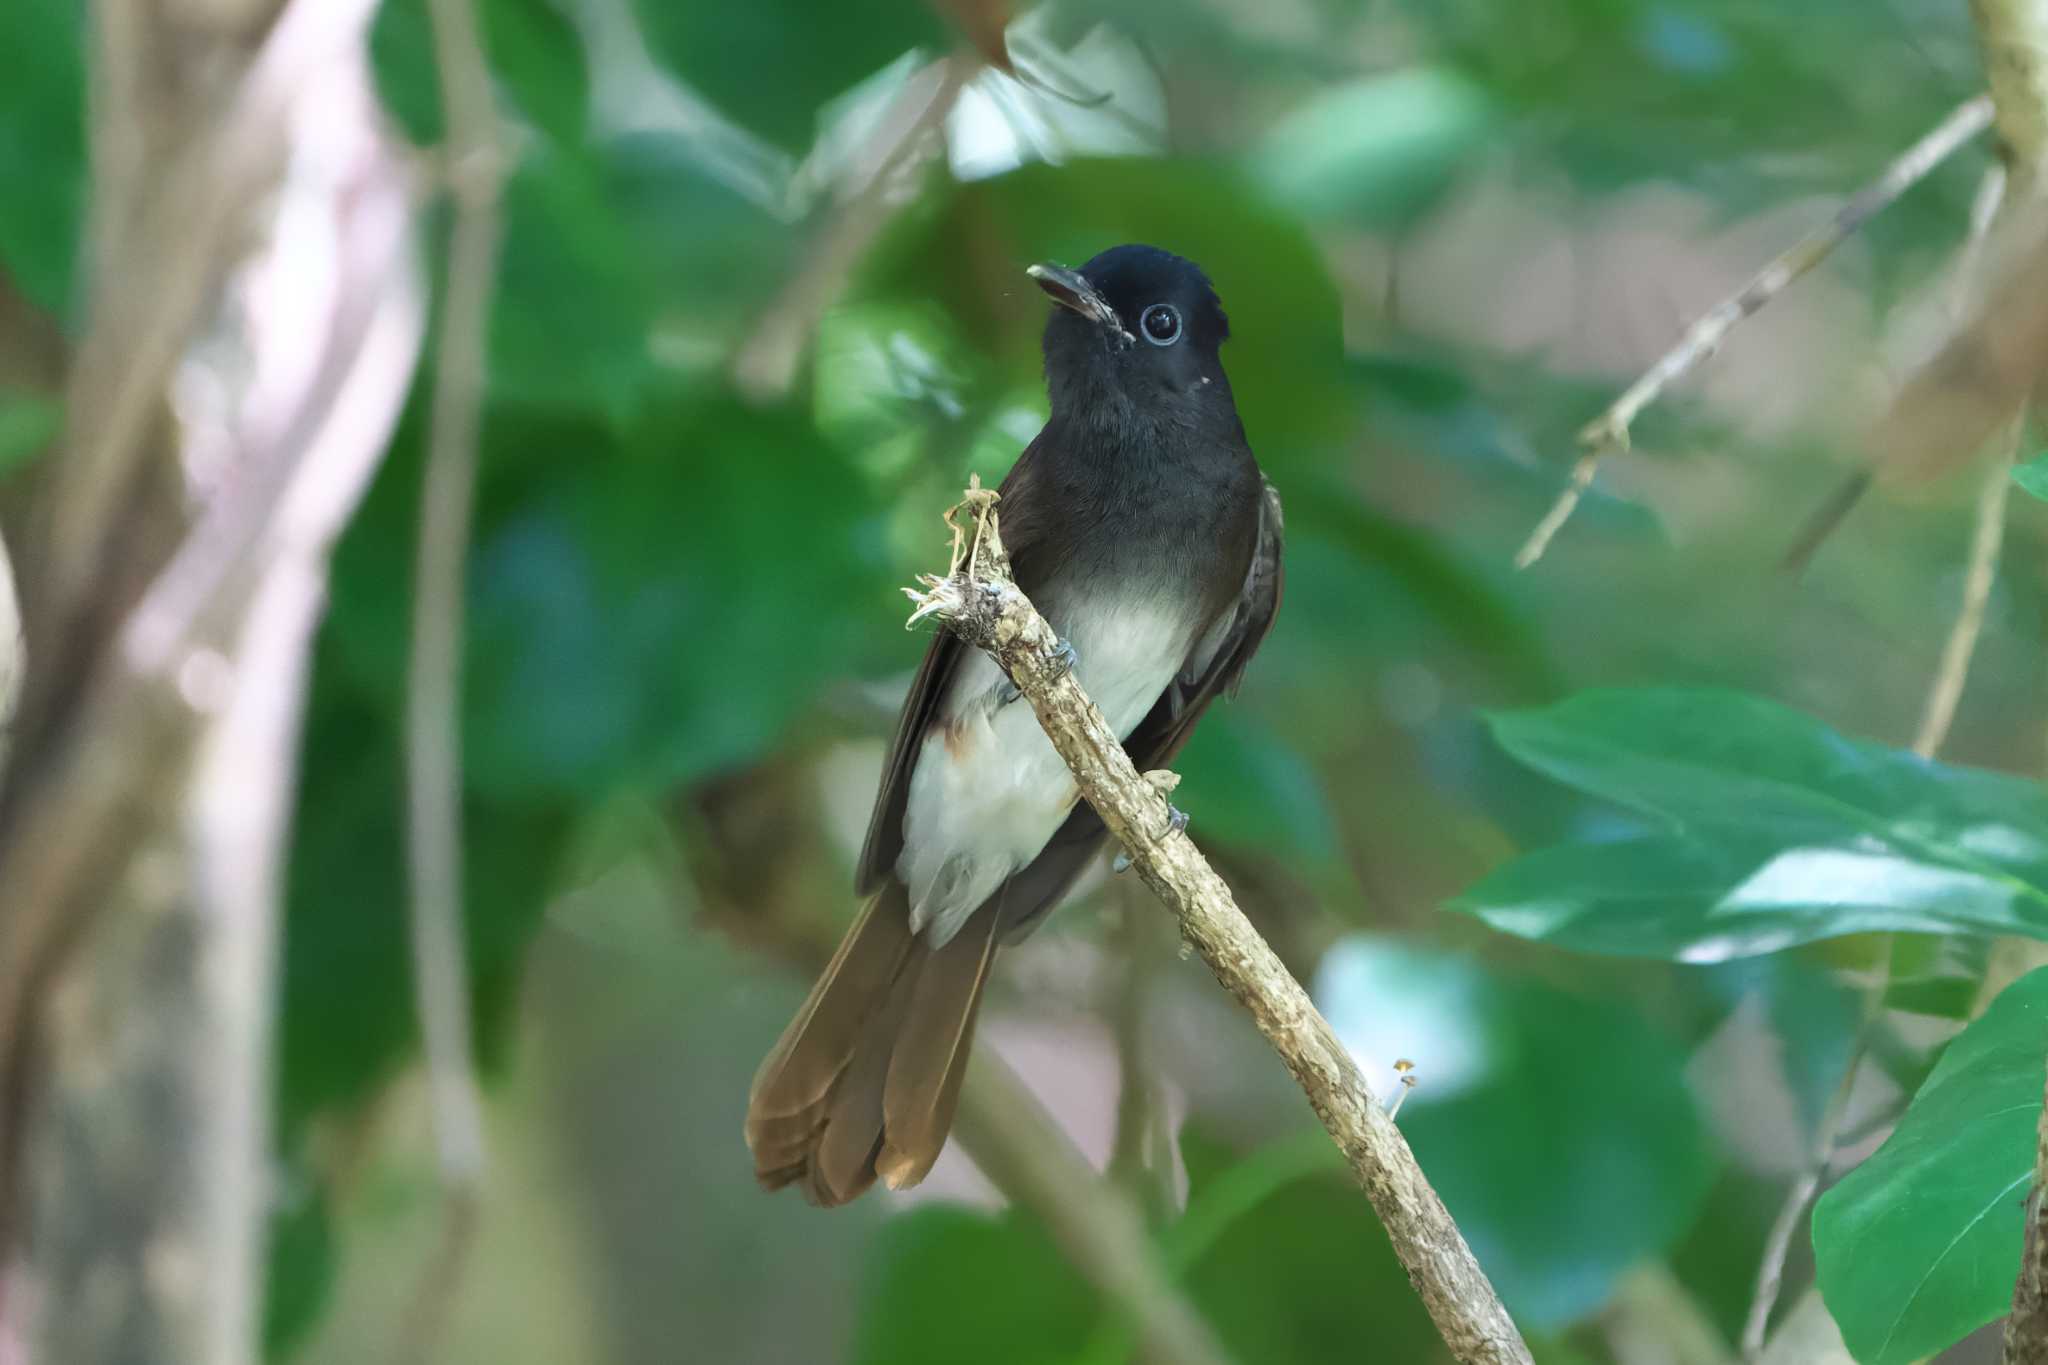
(759, 315)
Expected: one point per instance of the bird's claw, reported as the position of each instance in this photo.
(1065, 658)
(1176, 821)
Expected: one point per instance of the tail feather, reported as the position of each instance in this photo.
(931, 1053)
(866, 1076)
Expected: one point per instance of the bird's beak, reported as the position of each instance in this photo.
(1070, 290)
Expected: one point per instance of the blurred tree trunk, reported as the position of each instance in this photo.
(254, 320)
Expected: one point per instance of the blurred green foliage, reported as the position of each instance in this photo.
(681, 602)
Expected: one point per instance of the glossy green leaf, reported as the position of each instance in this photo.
(1586, 1187)
(2033, 476)
(1919, 1245)
(1780, 832)
(949, 1285)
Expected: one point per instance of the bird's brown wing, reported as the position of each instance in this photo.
(1023, 530)
(1218, 662)
(1215, 667)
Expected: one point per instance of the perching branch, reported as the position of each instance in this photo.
(981, 603)
(1610, 430)
(475, 162)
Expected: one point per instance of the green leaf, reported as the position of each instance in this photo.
(952, 1285)
(772, 65)
(300, 1280)
(618, 630)
(28, 423)
(42, 148)
(1590, 1184)
(2033, 476)
(1777, 831)
(1373, 152)
(1284, 1257)
(1919, 1245)
(1253, 789)
(347, 1010)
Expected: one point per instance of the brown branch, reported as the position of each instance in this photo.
(984, 606)
(433, 713)
(1610, 430)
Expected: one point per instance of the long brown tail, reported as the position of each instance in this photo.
(864, 1080)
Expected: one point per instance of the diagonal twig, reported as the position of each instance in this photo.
(1610, 430)
(985, 607)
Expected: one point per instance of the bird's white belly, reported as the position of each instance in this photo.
(989, 789)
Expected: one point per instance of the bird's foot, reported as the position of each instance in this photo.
(1176, 821)
(1065, 658)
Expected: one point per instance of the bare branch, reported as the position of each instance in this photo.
(984, 606)
(433, 711)
(433, 718)
(1610, 430)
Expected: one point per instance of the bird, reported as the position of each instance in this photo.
(1143, 529)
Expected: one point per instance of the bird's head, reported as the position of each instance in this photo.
(1136, 329)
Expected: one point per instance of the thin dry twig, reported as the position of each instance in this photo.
(433, 695)
(1770, 1278)
(1985, 540)
(1610, 430)
(985, 607)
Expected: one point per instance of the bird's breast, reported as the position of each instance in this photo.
(989, 789)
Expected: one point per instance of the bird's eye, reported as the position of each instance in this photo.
(1161, 324)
